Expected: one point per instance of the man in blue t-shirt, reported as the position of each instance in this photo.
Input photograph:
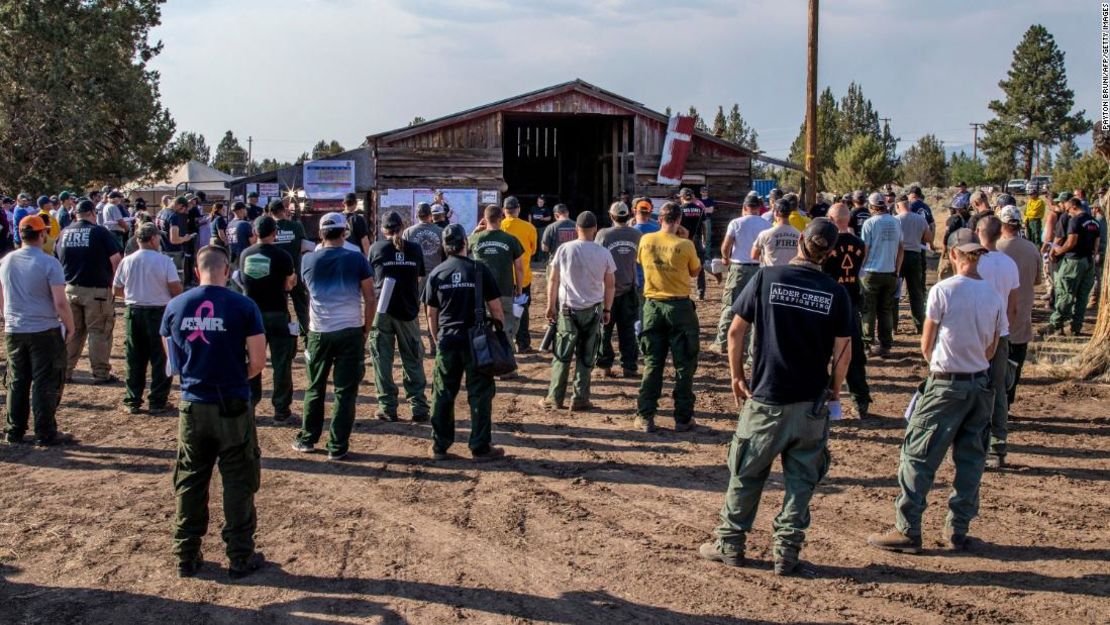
(883, 235)
(341, 299)
(803, 324)
(240, 234)
(215, 342)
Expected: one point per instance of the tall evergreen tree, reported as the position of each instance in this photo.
(829, 140)
(963, 168)
(720, 123)
(1066, 157)
(862, 164)
(699, 123)
(738, 131)
(193, 146)
(230, 156)
(925, 163)
(1037, 105)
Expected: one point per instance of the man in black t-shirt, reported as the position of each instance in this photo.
(402, 263)
(90, 255)
(844, 264)
(358, 231)
(541, 217)
(451, 294)
(693, 217)
(803, 322)
(254, 210)
(861, 212)
(268, 273)
(1075, 274)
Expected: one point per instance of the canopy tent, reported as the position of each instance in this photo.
(191, 176)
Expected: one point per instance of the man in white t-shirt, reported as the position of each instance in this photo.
(963, 319)
(1002, 273)
(776, 246)
(736, 251)
(583, 283)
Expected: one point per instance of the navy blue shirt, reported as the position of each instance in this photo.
(85, 250)
(238, 237)
(452, 287)
(166, 219)
(207, 328)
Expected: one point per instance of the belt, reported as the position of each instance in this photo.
(746, 264)
(957, 377)
(670, 299)
(144, 307)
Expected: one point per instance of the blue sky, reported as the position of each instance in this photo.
(289, 72)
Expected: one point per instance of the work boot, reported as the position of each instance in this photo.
(162, 409)
(304, 448)
(786, 559)
(896, 541)
(421, 417)
(55, 439)
(383, 414)
(995, 461)
(550, 404)
(717, 348)
(581, 405)
(440, 456)
(716, 551)
(608, 372)
(878, 351)
(863, 409)
(241, 568)
(684, 427)
(629, 374)
(282, 417)
(644, 424)
(491, 454)
(957, 541)
(190, 567)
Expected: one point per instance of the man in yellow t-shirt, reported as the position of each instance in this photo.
(669, 322)
(1034, 216)
(524, 232)
(796, 219)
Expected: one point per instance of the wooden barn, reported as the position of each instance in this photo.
(572, 143)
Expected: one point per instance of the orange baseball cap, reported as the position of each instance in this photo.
(32, 222)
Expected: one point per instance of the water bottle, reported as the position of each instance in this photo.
(637, 328)
(548, 338)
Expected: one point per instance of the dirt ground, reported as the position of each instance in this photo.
(587, 522)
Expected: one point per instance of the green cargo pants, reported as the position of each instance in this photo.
(668, 325)
(207, 435)
(142, 346)
(878, 291)
(767, 431)
(510, 320)
(739, 274)
(1075, 277)
(283, 348)
(913, 274)
(342, 351)
(949, 413)
(452, 361)
(1001, 375)
(577, 336)
(36, 366)
(1033, 231)
(387, 332)
(298, 295)
(622, 318)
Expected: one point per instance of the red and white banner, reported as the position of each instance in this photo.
(676, 148)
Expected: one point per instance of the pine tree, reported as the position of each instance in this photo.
(829, 140)
(417, 120)
(720, 124)
(1037, 107)
(739, 132)
(699, 123)
(963, 168)
(1066, 157)
(925, 164)
(324, 149)
(230, 156)
(193, 146)
(862, 164)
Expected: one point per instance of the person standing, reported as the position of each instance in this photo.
(580, 293)
(670, 323)
(358, 231)
(501, 253)
(52, 229)
(964, 318)
(736, 251)
(775, 246)
(980, 207)
(402, 262)
(451, 297)
(957, 220)
(915, 234)
(1028, 260)
(622, 241)
(112, 217)
(541, 217)
(341, 288)
(1077, 257)
(268, 274)
(37, 324)
(214, 338)
(240, 232)
(147, 281)
(693, 216)
(439, 216)
(1034, 216)
(90, 254)
(254, 211)
(171, 222)
(1002, 273)
(429, 237)
(844, 264)
(559, 232)
(803, 323)
(22, 209)
(290, 237)
(860, 212)
(883, 236)
(525, 234)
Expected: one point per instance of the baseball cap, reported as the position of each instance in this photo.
(147, 232)
(1004, 199)
(686, 192)
(252, 194)
(775, 193)
(820, 236)
(619, 209)
(350, 199)
(961, 236)
(916, 190)
(42, 201)
(586, 219)
(106, 188)
(85, 206)
(971, 248)
(392, 222)
(115, 195)
(752, 201)
(24, 196)
(876, 199)
(454, 236)
(32, 222)
(64, 195)
(1010, 215)
(644, 206)
(181, 199)
(423, 209)
(510, 203)
(1064, 196)
(333, 221)
(859, 195)
(437, 209)
(264, 226)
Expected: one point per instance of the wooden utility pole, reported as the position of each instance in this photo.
(811, 110)
(250, 154)
(975, 140)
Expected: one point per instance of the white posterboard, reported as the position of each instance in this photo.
(463, 203)
(328, 180)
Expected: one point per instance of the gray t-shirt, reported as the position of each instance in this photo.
(111, 216)
(582, 267)
(913, 228)
(27, 275)
(430, 239)
(558, 233)
(145, 278)
(622, 242)
(777, 245)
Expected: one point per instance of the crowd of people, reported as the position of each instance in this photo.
(808, 296)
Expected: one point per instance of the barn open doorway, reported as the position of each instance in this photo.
(582, 161)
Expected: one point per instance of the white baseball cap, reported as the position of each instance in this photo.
(1010, 215)
(333, 221)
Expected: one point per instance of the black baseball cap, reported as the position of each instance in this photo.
(392, 222)
(253, 194)
(350, 199)
(264, 226)
(454, 235)
(820, 236)
(85, 206)
(586, 220)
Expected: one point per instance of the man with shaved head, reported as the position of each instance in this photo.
(844, 263)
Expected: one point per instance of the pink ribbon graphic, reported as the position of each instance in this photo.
(199, 333)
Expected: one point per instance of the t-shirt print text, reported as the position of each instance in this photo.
(798, 297)
(204, 320)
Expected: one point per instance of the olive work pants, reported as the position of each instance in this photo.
(577, 335)
(878, 291)
(764, 432)
(668, 326)
(36, 366)
(913, 274)
(856, 377)
(93, 319)
(283, 348)
(949, 413)
(738, 277)
(1001, 374)
(1075, 277)
(142, 347)
(387, 333)
(452, 362)
(298, 296)
(622, 319)
(340, 355)
(211, 434)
